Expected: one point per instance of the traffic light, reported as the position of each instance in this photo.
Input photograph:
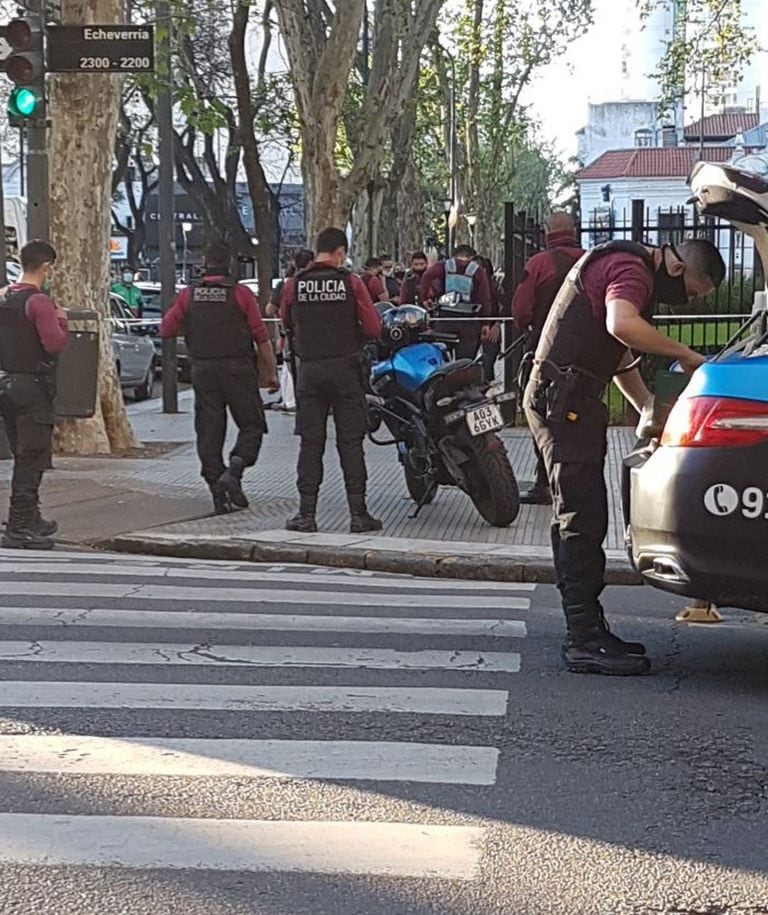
(25, 67)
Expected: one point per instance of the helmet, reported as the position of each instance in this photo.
(403, 325)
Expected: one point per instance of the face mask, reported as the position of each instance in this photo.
(669, 290)
(387, 271)
(128, 278)
(46, 286)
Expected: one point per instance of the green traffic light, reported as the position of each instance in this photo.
(23, 102)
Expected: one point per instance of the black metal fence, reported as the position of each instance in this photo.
(708, 324)
(525, 236)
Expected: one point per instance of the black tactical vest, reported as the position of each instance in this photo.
(20, 348)
(546, 293)
(324, 309)
(216, 327)
(572, 336)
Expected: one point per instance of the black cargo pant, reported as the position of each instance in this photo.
(573, 452)
(26, 405)
(220, 384)
(468, 333)
(326, 385)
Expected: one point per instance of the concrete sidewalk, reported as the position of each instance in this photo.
(158, 504)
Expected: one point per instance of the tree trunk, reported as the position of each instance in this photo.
(324, 203)
(409, 210)
(84, 116)
(258, 187)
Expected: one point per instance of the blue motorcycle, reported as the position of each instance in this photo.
(442, 417)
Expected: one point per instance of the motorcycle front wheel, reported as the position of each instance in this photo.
(420, 486)
(491, 483)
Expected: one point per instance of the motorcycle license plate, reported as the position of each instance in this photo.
(484, 419)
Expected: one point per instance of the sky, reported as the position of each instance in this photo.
(615, 61)
(591, 71)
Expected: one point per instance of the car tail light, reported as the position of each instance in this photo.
(716, 422)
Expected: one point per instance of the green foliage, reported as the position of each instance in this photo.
(498, 46)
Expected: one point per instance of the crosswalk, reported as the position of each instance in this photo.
(136, 670)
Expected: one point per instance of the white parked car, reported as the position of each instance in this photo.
(133, 349)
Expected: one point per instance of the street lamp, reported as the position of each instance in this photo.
(186, 228)
(448, 210)
(472, 222)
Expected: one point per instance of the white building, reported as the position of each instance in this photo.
(625, 188)
(621, 125)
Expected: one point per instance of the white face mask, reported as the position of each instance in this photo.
(128, 278)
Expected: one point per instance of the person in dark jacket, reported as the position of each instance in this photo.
(33, 331)
(410, 293)
(221, 320)
(462, 275)
(329, 314)
(491, 341)
(373, 281)
(544, 275)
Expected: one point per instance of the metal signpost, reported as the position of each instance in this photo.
(101, 49)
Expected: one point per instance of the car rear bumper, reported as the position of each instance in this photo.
(692, 530)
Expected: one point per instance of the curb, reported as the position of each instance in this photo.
(464, 566)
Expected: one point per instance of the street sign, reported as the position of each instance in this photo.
(101, 49)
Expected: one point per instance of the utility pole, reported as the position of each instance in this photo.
(366, 80)
(37, 154)
(166, 193)
(3, 252)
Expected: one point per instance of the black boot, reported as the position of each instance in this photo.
(20, 533)
(304, 521)
(41, 526)
(591, 649)
(538, 494)
(360, 522)
(626, 647)
(230, 483)
(221, 503)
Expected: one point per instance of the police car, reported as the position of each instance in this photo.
(697, 503)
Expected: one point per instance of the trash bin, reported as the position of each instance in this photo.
(77, 369)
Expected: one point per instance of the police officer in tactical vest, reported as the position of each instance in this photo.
(602, 310)
(543, 276)
(221, 320)
(32, 333)
(330, 315)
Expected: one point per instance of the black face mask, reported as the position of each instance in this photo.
(669, 290)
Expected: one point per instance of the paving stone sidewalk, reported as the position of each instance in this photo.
(447, 538)
(158, 504)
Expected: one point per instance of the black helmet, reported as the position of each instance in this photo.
(403, 325)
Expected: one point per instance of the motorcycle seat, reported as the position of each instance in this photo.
(450, 367)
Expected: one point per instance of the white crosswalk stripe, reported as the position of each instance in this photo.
(200, 619)
(70, 660)
(351, 759)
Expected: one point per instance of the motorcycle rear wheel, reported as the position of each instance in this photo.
(491, 483)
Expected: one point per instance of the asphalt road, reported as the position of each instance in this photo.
(200, 738)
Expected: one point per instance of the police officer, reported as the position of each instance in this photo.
(32, 332)
(463, 276)
(602, 309)
(329, 314)
(221, 321)
(543, 276)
